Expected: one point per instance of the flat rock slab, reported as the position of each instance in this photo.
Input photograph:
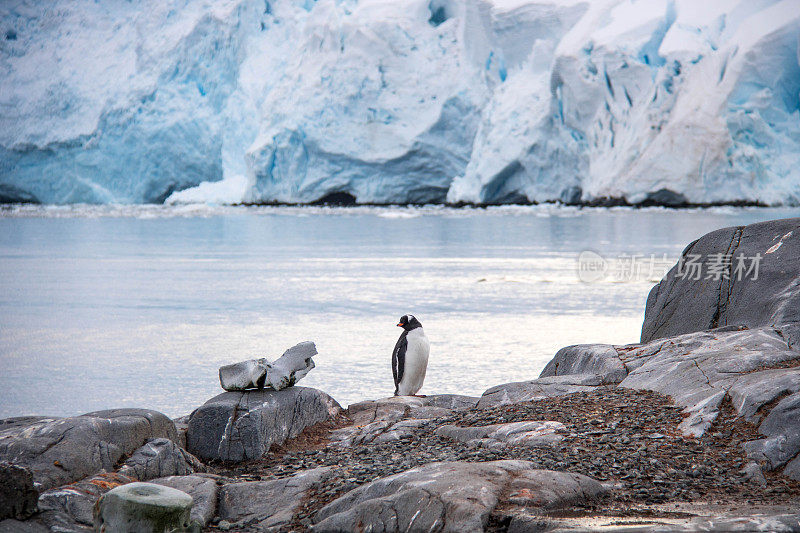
(267, 505)
(376, 432)
(537, 389)
(397, 407)
(62, 450)
(682, 304)
(237, 426)
(287, 370)
(532, 434)
(202, 488)
(160, 458)
(452, 496)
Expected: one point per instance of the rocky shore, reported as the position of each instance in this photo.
(695, 428)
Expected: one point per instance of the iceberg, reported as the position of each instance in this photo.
(400, 101)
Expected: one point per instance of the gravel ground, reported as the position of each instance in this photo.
(626, 438)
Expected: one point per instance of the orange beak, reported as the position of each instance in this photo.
(399, 325)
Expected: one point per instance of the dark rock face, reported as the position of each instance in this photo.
(17, 495)
(236, 426)
(160, 458)
(453, 496)
(60, 451)
(682, 304)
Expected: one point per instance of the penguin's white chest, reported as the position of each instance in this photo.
(416, 363)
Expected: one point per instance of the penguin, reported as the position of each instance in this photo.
(410, 357)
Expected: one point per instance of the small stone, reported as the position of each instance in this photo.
(143, 508)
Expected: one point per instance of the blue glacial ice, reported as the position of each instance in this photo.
(390, 101)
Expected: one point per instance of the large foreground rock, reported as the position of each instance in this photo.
(452, 496)
(235, 426)
(682, 304)
(287, 370)
(268, 505)
(63, 450)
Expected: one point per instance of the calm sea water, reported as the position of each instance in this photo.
(106, 307)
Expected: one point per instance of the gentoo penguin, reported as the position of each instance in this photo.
(410, 357)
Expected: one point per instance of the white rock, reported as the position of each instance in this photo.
(292, 366)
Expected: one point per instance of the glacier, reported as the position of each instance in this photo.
(400, 101)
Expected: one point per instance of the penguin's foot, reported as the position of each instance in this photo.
(419, 395)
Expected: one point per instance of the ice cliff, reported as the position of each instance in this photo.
(395, 101)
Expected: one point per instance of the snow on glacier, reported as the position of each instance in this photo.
(389, 101)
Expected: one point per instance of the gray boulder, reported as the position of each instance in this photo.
(144, 508)
(62, 450)
(377, 432)
(453, 402)
(160, 458)
(17, 495)
(268, 505)
(292, 366)
(74, 503)
(397, 407)
(601, 360)
(680, 304)
(202, 488)
(530, 433)
(236, 426)
(538, 389)
(453, 496)
(386, 409)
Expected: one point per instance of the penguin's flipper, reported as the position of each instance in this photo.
(399, 360)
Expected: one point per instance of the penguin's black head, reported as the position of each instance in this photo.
(409, 322)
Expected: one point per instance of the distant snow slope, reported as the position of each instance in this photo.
(396, 101)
